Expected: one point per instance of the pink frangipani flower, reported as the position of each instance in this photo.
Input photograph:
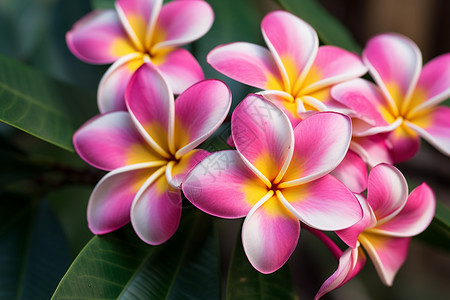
(277, 176)
(139, 31)
(391, 218)
(295, 72)
(149, 149)
(404, 101)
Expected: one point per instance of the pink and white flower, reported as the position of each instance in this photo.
(391, 218)
(405, 100)
(295, 72)
(277, 176)
(148, 150)
(139, 31)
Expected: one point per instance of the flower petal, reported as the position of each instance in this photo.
(179, 68)
(394, 62)
(156, 211)
(324, 204)
(434, 127)
(321, 143)
(99, 38)
(112, 141)
(181, 22)
(414, 217)
(286, 103)
(150, 102)
(181, 168)
(293, 43)
(270, 234)
(403, 142)
(350, 263)
(110, 202)
(247, 63)
(372, 149)
(263, 136)
(387, 254)
(199, 111)
(331, 66)
(223, 186)
(352, 172)
(387, 191)
(111, 90)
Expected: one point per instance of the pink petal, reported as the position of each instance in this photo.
(111, 90)
(434, 127)
(210, 100)
(222, 185)
(321, 143)
(179, 68)
(414, 217)
(263, 136)
(387, 254)
(99, 38)
(150, 102)
(286, 103)
(112, 141)
(394, 62)
(293, 44)
(372, 149)
(352, 172)
(181, 22)
(403, 142)
(269, 235)
(331, 66)
(387, 191)
(247, 63)
(156, 212)
(138, 18)
(350, 263)
(324, 204)
(182, 167)
(433, 86)
(110, 202)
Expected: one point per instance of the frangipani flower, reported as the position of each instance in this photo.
(405, 101)
(391, 218)
(295, 71)
(149, 150)
(276, 177)
(139, 31)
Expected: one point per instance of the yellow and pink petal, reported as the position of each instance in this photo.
(404, 142)
(112, 141)
(178, 170)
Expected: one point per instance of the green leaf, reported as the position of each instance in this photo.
(102, 4)
(438, 233)
(41, 106)
(245, 283)
(329, 29)
(120, 266)
(33, 250)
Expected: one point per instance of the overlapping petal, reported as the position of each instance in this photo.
(325, 204)
(263, 136)
(156, 211)
(112, 141)
(372, 149)
(269, 235)
(404, 142)
(352, 172)
(199, 112)
(284, 101)
(181, 22)
(321, 143)
(177, 173)
(222, 185)
(99, 38)
(247, 63)
(110, 202)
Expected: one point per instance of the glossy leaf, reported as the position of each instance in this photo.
(41, 106)
(438, 233)
(329, 29)
(120, 266)
(244, 282)
(34, 253)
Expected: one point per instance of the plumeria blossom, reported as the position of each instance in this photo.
(405, 100)
(148, 151)
(295, 72)
(277, 176)
(391, 218)
(139, 31)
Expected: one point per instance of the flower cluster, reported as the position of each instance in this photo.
(303, 144)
